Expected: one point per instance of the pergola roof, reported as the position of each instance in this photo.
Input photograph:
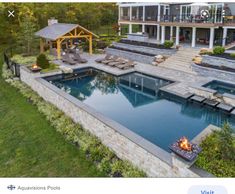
(57, 30)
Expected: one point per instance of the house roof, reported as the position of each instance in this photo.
(55, 31)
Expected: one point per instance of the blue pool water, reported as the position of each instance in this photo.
(133, 100)
(221, 87)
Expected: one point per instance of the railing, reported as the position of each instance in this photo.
(199, 19)
(14, 67)
(16, 49)
(192, 18)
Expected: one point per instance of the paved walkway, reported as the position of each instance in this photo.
(181, 60)
(184, 78)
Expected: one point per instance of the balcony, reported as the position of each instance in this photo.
(193, 20)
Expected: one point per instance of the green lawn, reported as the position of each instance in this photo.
(30, 147)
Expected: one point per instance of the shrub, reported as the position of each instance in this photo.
(168, 44)
(232, 55)
(218, 151)
(42, 61)
(218, 50)
(24, 60)
(226, 146)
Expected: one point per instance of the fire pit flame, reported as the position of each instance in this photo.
(34, 66)
(184, 144)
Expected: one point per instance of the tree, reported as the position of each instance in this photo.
(27, 28)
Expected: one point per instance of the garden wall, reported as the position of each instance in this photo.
(211, 72)
(126, 144)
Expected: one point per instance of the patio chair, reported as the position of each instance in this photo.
(112, 59)
(77, 57)
(119, 61)
(127, 65)
(68, 58)
(102, 59)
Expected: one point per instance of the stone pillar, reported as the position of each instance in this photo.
(211, 41)
(163, 35)
(225, 30)
(143, 27)
(177, 38)
(130, 13)
(193, 36)
(143, 13)
(130, 28)
(171, 33)
(158, 32)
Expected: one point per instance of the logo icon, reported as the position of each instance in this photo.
(11, 187)
(205, 13)
(11, 13)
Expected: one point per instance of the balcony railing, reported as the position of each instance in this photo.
(192, 18)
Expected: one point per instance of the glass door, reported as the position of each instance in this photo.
(185, 12)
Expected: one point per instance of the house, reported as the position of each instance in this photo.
(190, 23)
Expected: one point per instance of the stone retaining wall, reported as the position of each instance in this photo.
(218, 61)
(126, 144)
(130, 55)
(210, 72)
(150, 50)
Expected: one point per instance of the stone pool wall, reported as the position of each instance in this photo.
(211, 72)
(126, 144)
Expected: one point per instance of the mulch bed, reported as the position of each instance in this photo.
(223, 68)
(224, 55)
(146, 44)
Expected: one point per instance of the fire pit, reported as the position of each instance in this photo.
(185, 149)
(35, 68)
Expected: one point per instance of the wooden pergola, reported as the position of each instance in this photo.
(59, 32)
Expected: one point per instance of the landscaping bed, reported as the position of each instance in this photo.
(224, 56)
(218, 155)
(146, 44)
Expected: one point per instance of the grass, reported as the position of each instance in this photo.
(30, 147)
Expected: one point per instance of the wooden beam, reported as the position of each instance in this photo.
(71, 42)
(78, 36)
(58, 42)
(41, 45)
(90, 44)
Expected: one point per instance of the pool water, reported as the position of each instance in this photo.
(133, 100)
(221, 87)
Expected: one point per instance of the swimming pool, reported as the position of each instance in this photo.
(221, 87)
(135, 101)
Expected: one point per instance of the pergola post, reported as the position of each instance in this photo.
(58, 49)
(71, 42)
(90, 44)
(41, 45)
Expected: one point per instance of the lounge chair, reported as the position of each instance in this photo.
(77, 57)
(68, 58)
(108, 56)
(127, 65)
(112, 59)
(119, 61)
